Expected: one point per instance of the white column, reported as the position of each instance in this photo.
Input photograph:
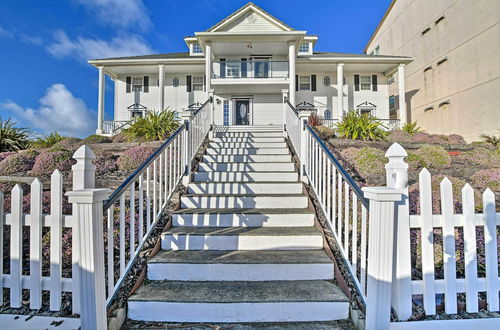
(291, 73)
(340, 89)
(402, 91)
(161, 92)
(284, 97)
(208, 65)
(100, 101)
(303, 120)
(380, 255)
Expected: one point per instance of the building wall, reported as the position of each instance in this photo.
(466, 41)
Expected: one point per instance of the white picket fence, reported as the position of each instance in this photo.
(374, 232)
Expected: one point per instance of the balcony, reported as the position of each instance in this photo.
(250, 71)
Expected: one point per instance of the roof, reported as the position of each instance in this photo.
(344, 55)
(380, 24)
(249, 4)
(148, 57)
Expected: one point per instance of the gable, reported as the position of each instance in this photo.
(250, 22)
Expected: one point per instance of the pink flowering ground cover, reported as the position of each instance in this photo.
(134, 157)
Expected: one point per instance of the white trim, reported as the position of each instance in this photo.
(233, 17)
(463, 324)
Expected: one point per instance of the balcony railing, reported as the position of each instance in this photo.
(389, 124)
(249, 69)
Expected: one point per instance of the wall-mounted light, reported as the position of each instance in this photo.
(218, 101)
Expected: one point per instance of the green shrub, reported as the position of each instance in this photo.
(366, 161)
(69, 143)
(435, 157)
(360, 127)
(155, 126)
(48, 161)
(47, 141)
(481, 156)
(489, 178)
(134, 157)
(325, 132)
(491, 139)
(399, 136)
(21, 162)
(95, 139)
(13, 138)
(411, 128)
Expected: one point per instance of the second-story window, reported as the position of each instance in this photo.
(304, 47)
(365, 83)
(137, 84)
(197, 49)
(305, 83)
(233, 69)
(197, 83)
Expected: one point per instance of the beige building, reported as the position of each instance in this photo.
(453, 85)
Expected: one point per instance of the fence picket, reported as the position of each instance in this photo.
(122, 235)
(346, 218)
(339, 208)
(449, 259)
(132, 219)
(141, 210)
(36, 244)
(334, 198)
(2, 223)
(491, 252)
(427, 237)
(16, 252)
(364, 235)
(56, 227)
(111, 251)
(148, 196)
(354, 247)
(470, 250)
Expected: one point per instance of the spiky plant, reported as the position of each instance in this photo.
(364, 127)
(12, 137)
(155, 126)
(491, 139)
(47, 141)
(411, 128)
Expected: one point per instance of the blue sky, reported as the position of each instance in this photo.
(47, 84)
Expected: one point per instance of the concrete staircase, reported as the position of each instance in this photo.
(243, 246)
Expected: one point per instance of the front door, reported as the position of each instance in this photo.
(242, 112)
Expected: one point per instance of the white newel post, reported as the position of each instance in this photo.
(304, 119)
(88, 241)
(340, 90)
(397, 177)
(186, 117)
(291, 71)
(161, 84)
(284, 97)
(402, 96)
(100, 101)
(380, 255)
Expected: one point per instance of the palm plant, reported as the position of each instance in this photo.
(12, 137)
(411, 128)
(47, 141)
(364, 127)
(154, 126)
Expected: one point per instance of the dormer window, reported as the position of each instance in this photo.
(197, 48)
(304, 47)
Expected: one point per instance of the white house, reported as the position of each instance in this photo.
(249, 62)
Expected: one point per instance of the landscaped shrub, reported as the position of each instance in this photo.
(482, 157)
(134, 157)
(366, 161)
(314, 120)
(6, 186)
(47, 141)
(155, 126)
(357, 126)
(456, 139)
(422, 137)
(399, 136)
(6, 154)
(105, 163)
(12, 137)
(487, 179)
(21, 162)
(95, 139)
(411, 128)
(325, 132)
(491, 139)
(435, 157)
(70, 143)
(48, 161)
(119, 138)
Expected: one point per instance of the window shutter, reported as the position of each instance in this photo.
(374, 83)
(356, 82)
(222, 73)
(188, 83)
(243, 68)
(296, 82)
(129, 84)
(204, 83)
(146, 84)
(313, 82)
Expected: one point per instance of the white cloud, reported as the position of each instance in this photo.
(59, 110)
(86, 48)
(119, 13)
(35, 40)
(6, 33)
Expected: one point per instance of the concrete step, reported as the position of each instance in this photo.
(243, 218)
(242, 238)
(249, 128)
(254, 145)
(244, 201)
(247, 158)
(247, 151)
(246, 167)
(245, 188)
(273, 301)
(240, 266)
(246, 176)
(248, 139)
(225, 135)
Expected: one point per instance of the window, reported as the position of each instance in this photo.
(390, 79)
(439, 20)
(392, 104)
(327, 114)
(137, 114)
(233, 69)
(304, 47)
(365, 83)
(376, 51)
(197, 49)
(305, 83)
(327, 81)
(441, 61)
(175, 82)
(426, 30)
(137, 84)
(366, 111)
(226, 112)
(197, 83)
